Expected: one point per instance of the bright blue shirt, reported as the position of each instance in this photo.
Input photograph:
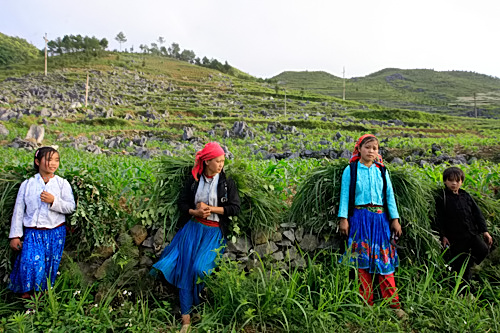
(369, 188)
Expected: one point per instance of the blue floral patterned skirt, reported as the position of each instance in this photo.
(190, 255)
(369, 243)
(39, 259)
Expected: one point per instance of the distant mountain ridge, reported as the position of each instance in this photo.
(422, 89)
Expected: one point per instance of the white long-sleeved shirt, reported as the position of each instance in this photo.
(30, 211)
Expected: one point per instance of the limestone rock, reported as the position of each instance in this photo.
(309, 242)
(3, 130)
(242, 245)
(145, 261)
(139, 234)
(289, 234)
(159, 238)
(102, 271)
(36, 133)
(260, 237)
(104, 251)
(265, 249)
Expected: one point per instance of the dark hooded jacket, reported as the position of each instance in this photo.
(227, 197)
(457, 215)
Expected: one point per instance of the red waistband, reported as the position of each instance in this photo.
(208, 223)
(36, 228)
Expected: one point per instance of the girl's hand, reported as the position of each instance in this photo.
(47, 197)
(202, 205)
(488, 239)
(396, 228)
(344, 227)
(199, 212)
(16, 244)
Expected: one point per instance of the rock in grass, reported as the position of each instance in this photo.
(265, 249)
(159, 238)
(299, 233)
(104, 252)
(278, 256)
(138, 233)
(188, 133)
(298, 263)
(3, 130)
(309, 242)
(145, 261)
(103, 270)
(289, 234)
(260, 237)
(397, 161)
(242, 245)
(291, 254)
(36, 133)
(45, 113)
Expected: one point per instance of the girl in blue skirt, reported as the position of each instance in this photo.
(37, 230)
(368, 214)
(207, 201)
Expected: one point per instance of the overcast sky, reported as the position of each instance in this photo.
(267, 37)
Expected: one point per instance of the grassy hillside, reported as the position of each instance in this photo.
(286, 156)
(450, 92)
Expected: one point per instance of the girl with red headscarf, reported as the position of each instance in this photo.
(368, 218)
(205, 203)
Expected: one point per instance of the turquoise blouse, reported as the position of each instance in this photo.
(369, 187)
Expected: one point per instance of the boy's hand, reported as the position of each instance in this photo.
(344, 227)
(16, 244)
(488, 239)
(396, 228)
(445, 242)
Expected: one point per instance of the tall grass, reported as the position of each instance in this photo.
(324, 298)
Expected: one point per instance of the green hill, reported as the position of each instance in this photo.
(450, 92)
(15, 49)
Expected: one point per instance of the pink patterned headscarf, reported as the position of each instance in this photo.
(210, 151)
(356, 155)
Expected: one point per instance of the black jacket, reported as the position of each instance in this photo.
(227, 197)
(457, 215)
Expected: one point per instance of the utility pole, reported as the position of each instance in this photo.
(475, 109)
(285, 101)
(46, 40)
(343, 91)
(87, 91)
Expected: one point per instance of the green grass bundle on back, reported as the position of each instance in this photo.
(96, 220)
(259, 207)
(162, 210)
(316, 204)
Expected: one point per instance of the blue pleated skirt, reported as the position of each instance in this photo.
(190, 255)
(369, 243)
(39, 259)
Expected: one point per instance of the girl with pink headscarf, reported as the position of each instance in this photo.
(207, 201)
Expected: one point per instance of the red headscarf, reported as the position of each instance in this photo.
(356, 156)
(211, 150)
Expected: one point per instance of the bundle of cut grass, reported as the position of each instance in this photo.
(259, 207)
(316, 204)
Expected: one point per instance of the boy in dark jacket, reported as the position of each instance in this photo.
(461, 224)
